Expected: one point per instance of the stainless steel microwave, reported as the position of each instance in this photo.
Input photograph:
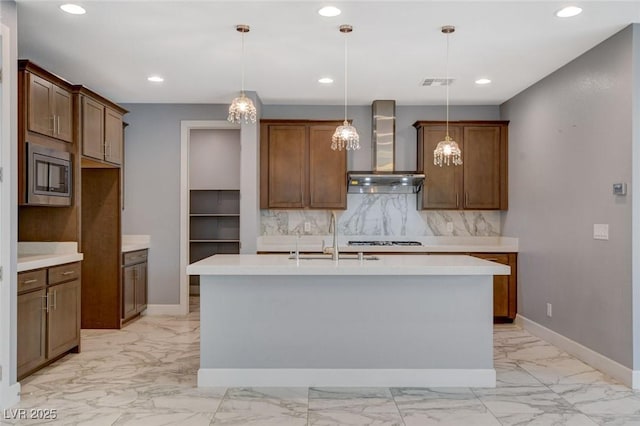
(48, 176)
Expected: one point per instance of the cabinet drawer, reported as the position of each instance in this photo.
(31, 280)
(132, 257)
(62, 273)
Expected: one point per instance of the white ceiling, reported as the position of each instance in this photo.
(395, 44)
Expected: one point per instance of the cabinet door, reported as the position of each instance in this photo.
(443, 185)
(141, 287)
(92, 128)
(287, 166)
(327, 170)
(40, 116)
(503, 291)
(62, 105)
(64, 317)
(481, 167)
(113, 136)
(31, 331)
(128, 291)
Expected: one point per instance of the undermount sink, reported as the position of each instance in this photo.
(328, 256)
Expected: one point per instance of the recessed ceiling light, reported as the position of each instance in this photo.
(329, 11)
(73, 9)
(568, 12)
(483, 81)
(325, 80)
(155, 79)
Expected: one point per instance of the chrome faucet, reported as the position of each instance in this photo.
(334, 228)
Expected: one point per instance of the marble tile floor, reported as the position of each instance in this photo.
(145, 374)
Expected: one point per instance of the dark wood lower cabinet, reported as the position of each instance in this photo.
(32, 331)
(48, 316)
(134, 284)
(504, 286)
(64, 317)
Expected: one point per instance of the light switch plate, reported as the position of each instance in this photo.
(600, 231)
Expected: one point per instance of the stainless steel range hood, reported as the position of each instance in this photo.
(384, 179)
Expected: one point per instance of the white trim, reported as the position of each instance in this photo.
(595, 359)
(185, 132)
(11, 397)
(155, 310)
(307, 377)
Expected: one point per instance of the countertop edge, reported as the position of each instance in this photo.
(30, 262)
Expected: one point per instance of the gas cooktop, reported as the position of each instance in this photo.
(384, 243)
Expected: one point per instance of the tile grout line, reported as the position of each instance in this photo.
(397, 407)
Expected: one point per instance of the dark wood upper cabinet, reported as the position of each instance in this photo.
(92, 128)
(481, 182)
(287, 166)
(100, 129)
(298, 167)
(327, 170)
(49, 108)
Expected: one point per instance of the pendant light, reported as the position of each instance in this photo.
(447, 151)
(345, 136)
(242, 108)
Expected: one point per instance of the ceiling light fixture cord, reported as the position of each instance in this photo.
(446, 72)
(345, 75)
(242, 63)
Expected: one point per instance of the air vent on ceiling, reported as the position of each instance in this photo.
(438, 81)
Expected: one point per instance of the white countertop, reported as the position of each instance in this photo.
(280, 264)
(313, 243)
(135, 242)
(35, 255)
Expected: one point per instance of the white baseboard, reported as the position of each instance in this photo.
(9, 396)
(595, 359)
(155, 310)
(307, 377)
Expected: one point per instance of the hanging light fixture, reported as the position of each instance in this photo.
(447, 151)
(345, 136)
(242, 108)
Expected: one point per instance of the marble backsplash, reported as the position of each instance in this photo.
(383, 215)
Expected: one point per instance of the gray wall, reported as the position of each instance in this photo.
(635, 191)
(569, 141)
(405, 132)
(152, 186)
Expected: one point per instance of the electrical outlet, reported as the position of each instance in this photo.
(450, 227)
(549, 311)
(600, 231)
(307, 227)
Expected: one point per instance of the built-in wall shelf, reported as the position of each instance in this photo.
(214, 224)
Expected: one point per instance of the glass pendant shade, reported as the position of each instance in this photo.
(447, 152)
(345, 137)
(242, 109)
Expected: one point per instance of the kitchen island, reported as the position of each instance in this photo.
(268, 320)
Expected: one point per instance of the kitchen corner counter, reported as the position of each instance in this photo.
(135, 242)
(36, 255)
(309, 243)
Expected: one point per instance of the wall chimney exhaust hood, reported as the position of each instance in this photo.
(384, 179)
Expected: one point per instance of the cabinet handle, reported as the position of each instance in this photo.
(45, 299)
(55, 299)
(68, 272)
(57, 121)
(30, 281)
(52, 129)
(457, 201)
(466, 199)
